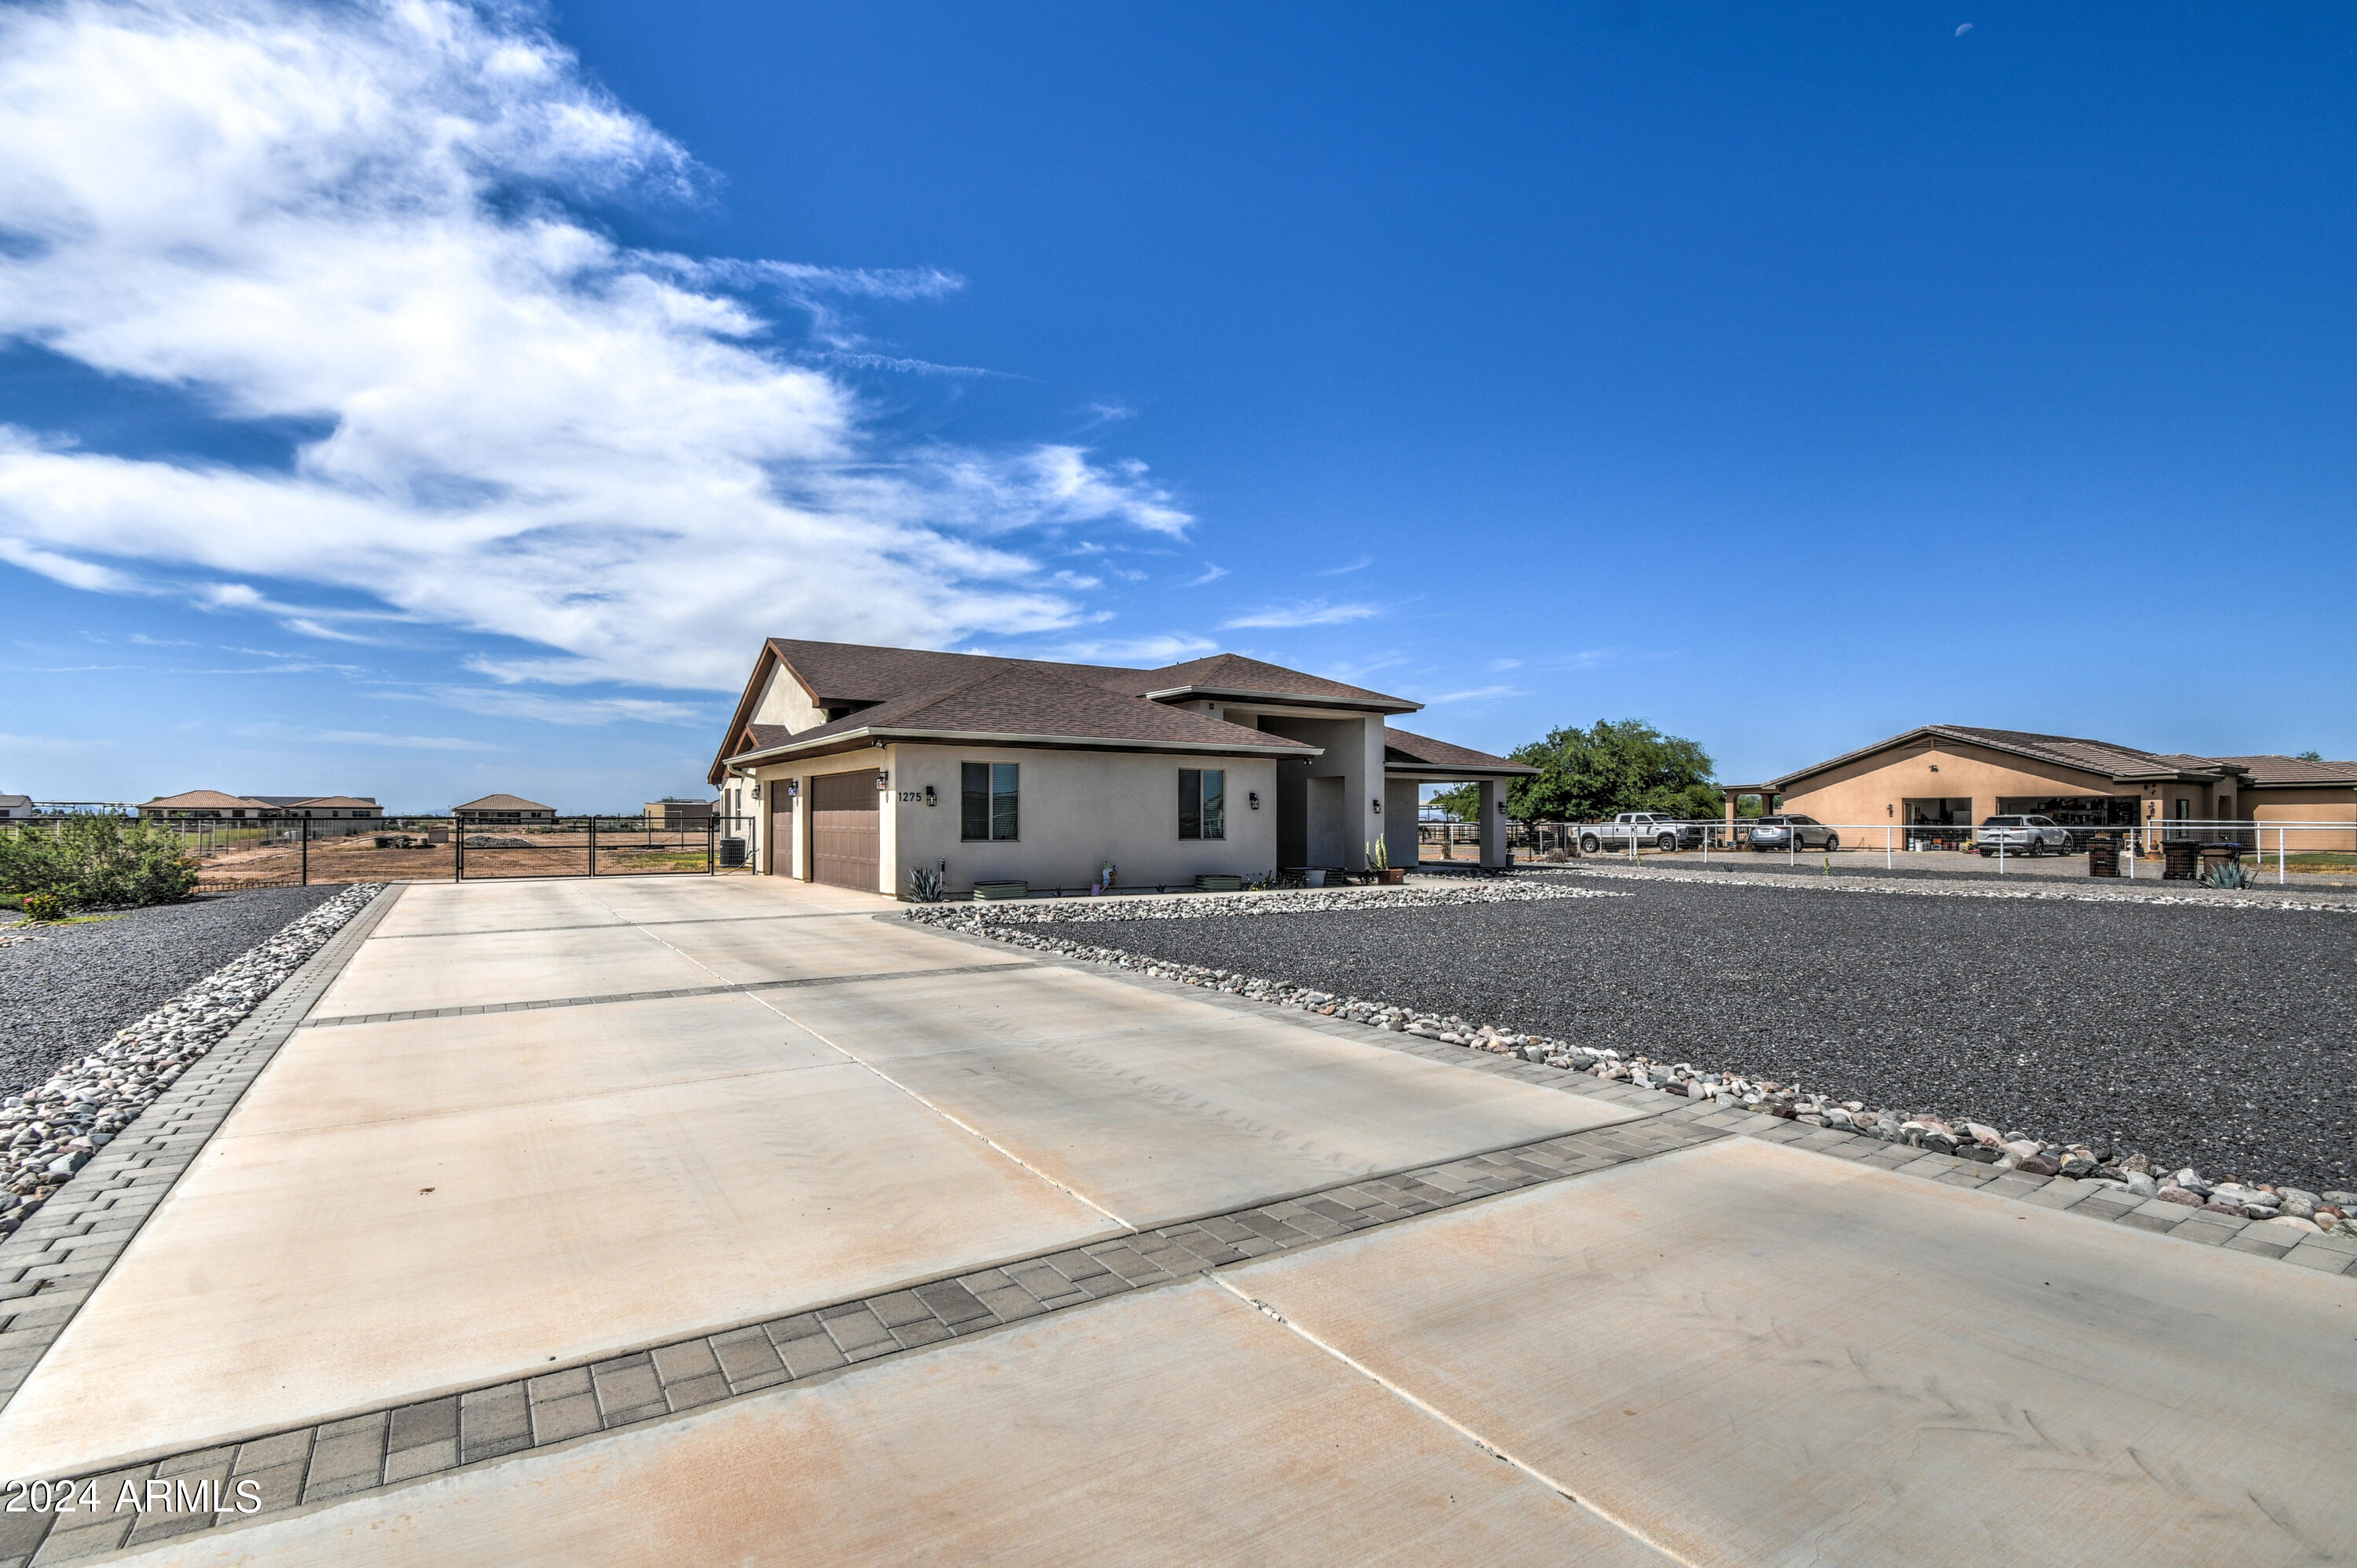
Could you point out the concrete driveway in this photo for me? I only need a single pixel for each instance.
(645, 1219)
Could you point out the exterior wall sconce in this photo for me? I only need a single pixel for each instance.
(931, 799)
(1501, 808)
(1378, 806)
(793, 788)
(883, 779)
(1254, 796)
(756, 788)
(1935, 767)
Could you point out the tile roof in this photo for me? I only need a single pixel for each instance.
(1422, 750)
(503, 803)
(336, 801)
(2294, 771)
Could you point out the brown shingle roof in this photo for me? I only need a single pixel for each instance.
(337, 801)
(202, 800)
(917, 689)
(2117, 763)
(1423, 751)
(1034, 702)
(503, 803)
(2288, 771)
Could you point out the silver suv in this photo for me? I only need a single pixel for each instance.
(1791, 832)
(2021, 835)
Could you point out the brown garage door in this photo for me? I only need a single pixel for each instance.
(842, 829)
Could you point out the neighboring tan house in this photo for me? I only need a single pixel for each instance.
(1955, 775)
(502, 811)
(860, 765)
(328, 814)
(13, 807)
(678, 815)
(209, 803)
(331, 815)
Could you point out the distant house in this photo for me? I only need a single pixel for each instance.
(332, 814)
(675, 813)
(503, 811)
(15, 806)
(1954, 774)
(347, 813)
(209, 803)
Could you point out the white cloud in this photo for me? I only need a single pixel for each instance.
(357, 216)
(1497, 664)
(1361, 565)
(1477, 694)
(550, 708)
(1306, 612)
(1212, 572)
(408, 742)
(1169, 647)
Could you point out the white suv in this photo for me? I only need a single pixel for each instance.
(2022, 836)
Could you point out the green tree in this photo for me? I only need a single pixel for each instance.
(1623, 765)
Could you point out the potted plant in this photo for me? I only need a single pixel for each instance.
(1378, 861)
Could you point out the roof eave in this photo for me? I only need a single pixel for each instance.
(853, 740)
(1380, 704)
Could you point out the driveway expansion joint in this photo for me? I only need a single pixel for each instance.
(331, 1460)
(74, 1238)
(612, 998)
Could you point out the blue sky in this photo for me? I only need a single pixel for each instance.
(429, 401)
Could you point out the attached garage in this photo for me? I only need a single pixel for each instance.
(844, 839)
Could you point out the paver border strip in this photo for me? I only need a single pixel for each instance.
(49, 1266)
(261, 1477)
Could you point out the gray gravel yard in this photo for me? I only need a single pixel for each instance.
(2219, 1036)
(66, 991)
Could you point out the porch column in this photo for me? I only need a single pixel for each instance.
(1493, 825)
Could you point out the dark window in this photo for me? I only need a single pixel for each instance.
(1203, 803)
(988, 804)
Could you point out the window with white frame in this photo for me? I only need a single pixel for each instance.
(1203, 803)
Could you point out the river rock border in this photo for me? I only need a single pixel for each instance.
(2139, 1175)
(51, 1132)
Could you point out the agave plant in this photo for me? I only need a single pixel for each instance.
(925, 885)
(2227, 874)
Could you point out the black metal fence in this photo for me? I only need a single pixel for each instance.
(236, 853)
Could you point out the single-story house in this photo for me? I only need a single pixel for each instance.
(859, 766)
(506, 810)
(692, 816)
(13, 807)
(1955, 775)
(346, 814)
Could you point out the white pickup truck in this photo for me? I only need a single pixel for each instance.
(1648, 830)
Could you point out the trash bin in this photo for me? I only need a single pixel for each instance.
(2178, 859)
(732, 852)
(2104, 856)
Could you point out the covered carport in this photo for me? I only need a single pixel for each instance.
(1412, 761)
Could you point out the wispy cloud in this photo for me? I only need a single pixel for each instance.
(1477, 694)
(375, 218)
(1361, 565)
(1211, 573)
(1309, 612)
(408, 742)
(552, 708)
(1169, 648)
(1497, 664)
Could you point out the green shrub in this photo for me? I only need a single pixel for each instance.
(80, 861)
(43, 907)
